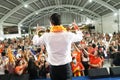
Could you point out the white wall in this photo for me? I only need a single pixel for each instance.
(108, 23)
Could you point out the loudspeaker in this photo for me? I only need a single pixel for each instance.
(114, 71)
(98, 73)
(19, 77)
(5, 77)
(14, 77)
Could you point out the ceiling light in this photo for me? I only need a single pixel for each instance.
(23, 30)
(87, 22)
(36, 13)
(25, 5)
(21, 25)
(81, 9)
(115, 14)
(90, 1)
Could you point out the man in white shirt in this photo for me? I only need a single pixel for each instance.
(58, 45)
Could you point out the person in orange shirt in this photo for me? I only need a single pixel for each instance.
(20, 67)
(95, 60)
(77, 68)
(10, 54)
(76, 53)
(89, 47)
(92, 48)
(1, 47)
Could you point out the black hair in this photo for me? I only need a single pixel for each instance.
(55, 19)
(17, 63)
(38, 50)
(3, 53)
(93, 45)
(98, 53)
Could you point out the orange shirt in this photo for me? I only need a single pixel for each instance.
(77, 55)
(77, 66)
(1, 48)
(91, 50)
(95, 60)
(10, 55)
(18, 68)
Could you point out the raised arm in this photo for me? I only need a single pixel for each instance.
(85, 53)
(79, 35)
(38, 40)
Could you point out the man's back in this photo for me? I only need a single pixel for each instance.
(58, 46)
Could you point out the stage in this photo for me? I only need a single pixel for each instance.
(87, 78)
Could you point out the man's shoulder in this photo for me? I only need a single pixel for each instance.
(51, 33)
(68, 32)
(45, 34)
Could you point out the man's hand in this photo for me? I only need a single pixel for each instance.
(38, 29)
(75, 25)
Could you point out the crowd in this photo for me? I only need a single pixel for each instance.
(19, 56)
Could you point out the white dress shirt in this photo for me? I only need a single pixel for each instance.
(58, 45)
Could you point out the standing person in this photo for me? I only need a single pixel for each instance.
(58, 45)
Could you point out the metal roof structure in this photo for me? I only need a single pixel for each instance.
(28, 12)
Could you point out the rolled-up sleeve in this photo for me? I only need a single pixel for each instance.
(38, 40)
(77, 37)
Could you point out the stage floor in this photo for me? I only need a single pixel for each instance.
(86, 78)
